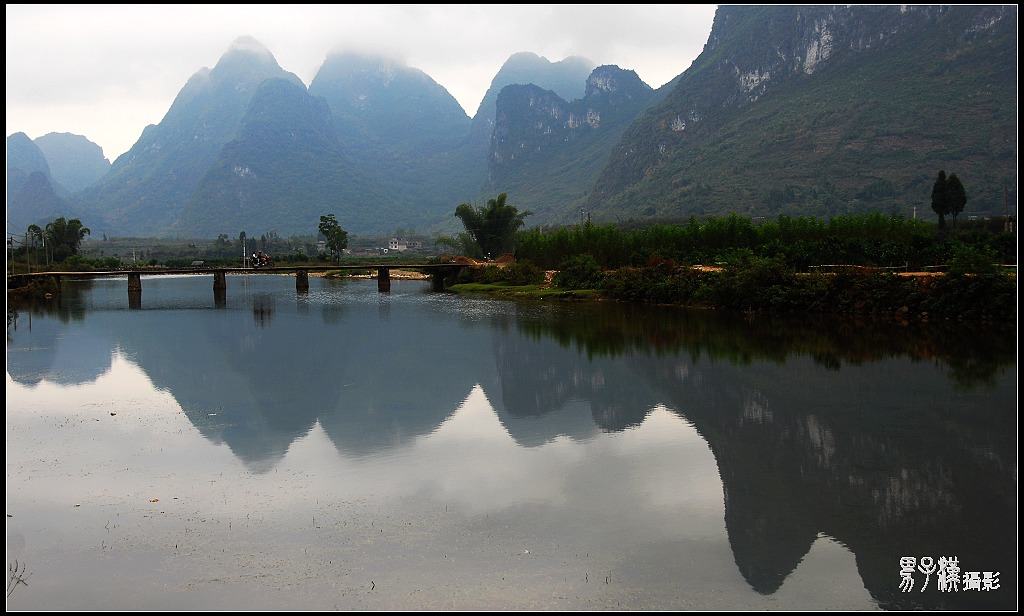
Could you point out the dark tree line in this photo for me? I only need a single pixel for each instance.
(872, 239)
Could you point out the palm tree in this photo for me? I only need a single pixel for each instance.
(493, 226)
(65, 237)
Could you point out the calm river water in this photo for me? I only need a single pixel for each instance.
(345, 449)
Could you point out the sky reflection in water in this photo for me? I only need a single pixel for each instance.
(373, 462)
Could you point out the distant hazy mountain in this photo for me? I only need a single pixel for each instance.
(566, 78)
(380, 103)
(33, 197)
(379, 144)
(24, 156)
(284, 169)
(547, 151)
(75, 162)
(795, 110)
(148, 186)
(406, 133)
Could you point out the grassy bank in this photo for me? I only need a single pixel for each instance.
(765, 286)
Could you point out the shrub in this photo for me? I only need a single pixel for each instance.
(515, 273)
(966, 259)
(520, 273)
(580, 272)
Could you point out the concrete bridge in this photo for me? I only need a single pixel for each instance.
(441, 274)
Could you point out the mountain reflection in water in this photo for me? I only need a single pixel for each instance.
(892, 439)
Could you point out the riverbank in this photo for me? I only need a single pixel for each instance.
(764, 288)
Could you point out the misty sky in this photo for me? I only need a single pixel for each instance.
(106, 71)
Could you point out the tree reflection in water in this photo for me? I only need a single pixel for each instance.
(892, 439)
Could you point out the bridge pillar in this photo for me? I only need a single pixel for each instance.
(219, 282)
(134, 290)
(441, 277)
(301, 281)
(384, 279)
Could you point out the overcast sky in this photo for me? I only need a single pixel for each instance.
(106, 71)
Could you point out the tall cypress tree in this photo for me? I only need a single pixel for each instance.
(956, 196)
(940, 198)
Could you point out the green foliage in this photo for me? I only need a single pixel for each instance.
(948, 197)
(869, 239)
(754, 283)
(461, 244)
(108, 263)
(493, 226)
(77, 263)
(516, 273)
(768, 286)
(36, 289)
(186, 262)
(770, 267)
(35, 236)
(956, 196)
(965, 259)
(989, 295)
(579, 272)
(659, 283)
(521, 273)
(64, 237)
(337, 238)
(940, 198)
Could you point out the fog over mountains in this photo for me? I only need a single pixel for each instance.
(789, 110)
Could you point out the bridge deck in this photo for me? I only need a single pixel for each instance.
(440, 272)
(207, 269)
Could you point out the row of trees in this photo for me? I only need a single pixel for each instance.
(59, 240)
(948, 197)
(494, 229)
(641, 265)
(336, 237)
(871, 239)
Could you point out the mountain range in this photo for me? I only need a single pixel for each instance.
(789, 110)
